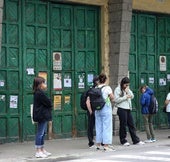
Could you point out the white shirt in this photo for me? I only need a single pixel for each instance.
(121, 100)
(106, 91)
(168, 106)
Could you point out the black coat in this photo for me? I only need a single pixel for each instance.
(42, 107)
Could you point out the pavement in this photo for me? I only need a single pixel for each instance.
(67, 149)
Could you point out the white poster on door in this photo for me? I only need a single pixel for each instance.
(57, 83)
(151, 80)
(57, 61)
(162, 63)
(67, 82)
(81, 83)
(13, 101)
(162, 81)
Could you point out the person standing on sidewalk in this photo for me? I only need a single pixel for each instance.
(145, 100)
(167, 103)
(103, 117)
(91, 117)
(42, 107)
(123, 96)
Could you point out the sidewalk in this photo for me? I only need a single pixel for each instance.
(66, 148)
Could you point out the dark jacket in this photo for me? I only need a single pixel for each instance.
(145, 100)
(42, 107)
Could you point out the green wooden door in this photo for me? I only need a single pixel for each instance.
(62, 43)
(86, 57)
(58, 42)
(36, 55)
(74, 37)
(147, 54)
(11, 74)
(149, 40)
(133, 69)
(143, 59)
(163, 50)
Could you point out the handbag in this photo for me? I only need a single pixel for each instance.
(114, 111)
(31, 112)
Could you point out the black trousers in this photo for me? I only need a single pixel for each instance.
(90, 129)
(126, 120)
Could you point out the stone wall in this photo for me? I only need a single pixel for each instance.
(120, 15)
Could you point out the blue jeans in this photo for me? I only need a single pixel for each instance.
(103, 120)
(39, 139)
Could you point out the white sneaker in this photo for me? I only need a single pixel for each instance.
(126, 144)
(111, 146)
(140, 143)
(47, 153)
(148, 141)
(40, 155)
(153, 140)
(93, 147)
(108, 148)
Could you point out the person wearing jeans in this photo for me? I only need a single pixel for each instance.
(104, 126)
(103, 117)
(42, 107)
(41, 130)
(123, 96)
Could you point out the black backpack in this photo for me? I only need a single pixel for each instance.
(96, 99)
(83, 99)
(153, 107)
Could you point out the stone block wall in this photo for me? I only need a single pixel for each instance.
(120, 15)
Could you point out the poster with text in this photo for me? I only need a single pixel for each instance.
(162, 81)
(162, 63)
(57, 61)
(57, 102)
(81, 81)
(57, 82)
(13, 101)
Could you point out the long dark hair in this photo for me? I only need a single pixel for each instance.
(125, 80)
(102, 78)
(37, 82)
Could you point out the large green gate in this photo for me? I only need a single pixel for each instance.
(58, 42)
(11, 74)
(149, 41)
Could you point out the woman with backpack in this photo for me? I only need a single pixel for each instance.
(103, 117)
(145, 101)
